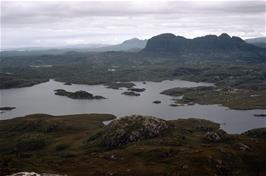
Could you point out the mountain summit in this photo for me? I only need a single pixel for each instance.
(209, 46)
(178, 44)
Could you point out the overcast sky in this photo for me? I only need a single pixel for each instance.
(25, 24)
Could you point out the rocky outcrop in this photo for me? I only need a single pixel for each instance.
(131, 129)
(215, 136)
(77, 95)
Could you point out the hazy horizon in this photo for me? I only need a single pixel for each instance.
(58, 24)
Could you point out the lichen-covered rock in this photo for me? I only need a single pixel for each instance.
(131, 129)
(215, 136)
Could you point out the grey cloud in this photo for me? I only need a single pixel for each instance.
(37, 12)
(58, 23)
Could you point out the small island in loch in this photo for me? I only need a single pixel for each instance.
(7, 108)
(157, 102)
(118, 85)
(131, 93)
(78, 94)
(137, 89)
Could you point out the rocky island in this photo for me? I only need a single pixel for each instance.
(259, 115)
(79, 144)
(7, 108)
(77, 95)
(68, 83)
(137, 89)
(118, 85)
(131, 93)
(157, 102)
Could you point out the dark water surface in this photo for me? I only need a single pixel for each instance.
(41, 99)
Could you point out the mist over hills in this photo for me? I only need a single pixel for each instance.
(130, 45)
(259, 41)
(222, 46)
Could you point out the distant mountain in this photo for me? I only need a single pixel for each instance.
(209, 46)
(260, 41)
(31, 51)
(133, 44)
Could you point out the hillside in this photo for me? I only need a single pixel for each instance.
(80, 145)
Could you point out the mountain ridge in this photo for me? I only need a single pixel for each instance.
(222, 46)
(170, 41)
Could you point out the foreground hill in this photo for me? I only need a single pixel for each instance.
(222, 46)
(134, 145)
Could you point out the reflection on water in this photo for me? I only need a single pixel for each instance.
(41, 99)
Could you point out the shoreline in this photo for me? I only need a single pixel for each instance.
(118, 117)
